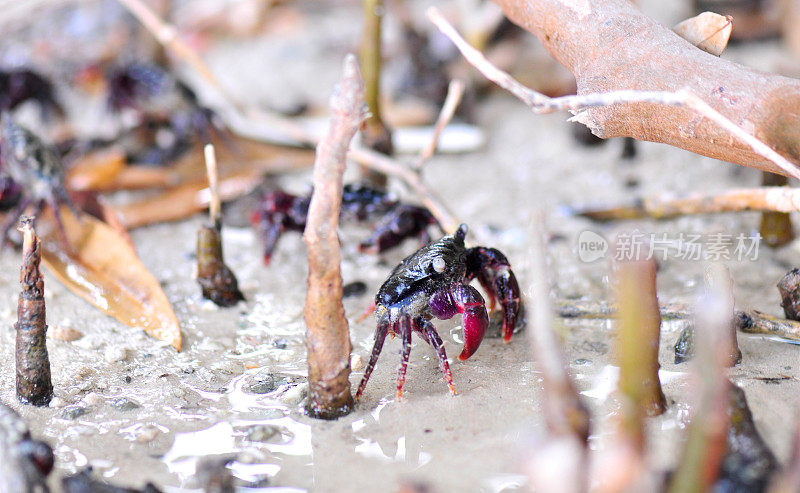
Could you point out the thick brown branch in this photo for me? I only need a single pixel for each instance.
(609, 45)
(328, 335)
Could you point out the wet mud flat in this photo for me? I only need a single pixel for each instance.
(137, 411)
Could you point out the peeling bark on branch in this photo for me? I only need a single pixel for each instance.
(609, 45)
(327, 334)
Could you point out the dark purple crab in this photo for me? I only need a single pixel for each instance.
(24, 462)
(279, 211)
(170, 115)
(33, 173)
(434, 283)
(19, 85)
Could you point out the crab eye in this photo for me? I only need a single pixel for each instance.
(438, 264)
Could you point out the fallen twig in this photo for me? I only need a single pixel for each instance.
(755, 322)
(539, 103)
(455, 91)
(328, 335)
(777, 199)
(595, 309)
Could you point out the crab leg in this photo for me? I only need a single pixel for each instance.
(494, 273)
(433, 338)
(380, 336)
(270, 232)
(53, 202)
(405, 333)
(466, 300)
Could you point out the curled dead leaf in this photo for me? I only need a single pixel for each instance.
(97, 170)
(103, 269)
(242, 164)
(708, 31)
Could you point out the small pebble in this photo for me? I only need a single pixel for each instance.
(89, 342)
(115, 354)
(295, 394)
(356, 362)
(147, 434)
(92, 399)
(124, 404)
(65, 333)
(265, 382)
(356, 288)
(280, 343)
(208, 306)
(262, 433)
(73, 412)
(85, 371)
(57, 402)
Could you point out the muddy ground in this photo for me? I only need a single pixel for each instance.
(137, 411)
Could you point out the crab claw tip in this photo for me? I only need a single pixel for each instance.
(461, 232)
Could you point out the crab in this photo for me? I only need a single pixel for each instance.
(434, 282)
(32, 174)
(147, 90)
(24, 462)
(280, 211)
(19, 85)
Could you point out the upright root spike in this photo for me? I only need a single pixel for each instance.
(34, 385)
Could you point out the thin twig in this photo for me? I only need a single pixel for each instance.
(391, 167)
(539, 103)
(214, 206)
(603, 310)
(665, 206)
(455, 91)
(755, 322)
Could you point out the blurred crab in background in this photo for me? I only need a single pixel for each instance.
(279, 211)
(31, 175)
(19, 85)
(161, 116)
(434, 283)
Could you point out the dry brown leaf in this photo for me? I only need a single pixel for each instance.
(184, 201)
(103, 268)
(96, 170)
(241, 168)
(708, 31)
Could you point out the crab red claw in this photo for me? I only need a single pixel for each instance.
(494, 273)
(464, 299)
